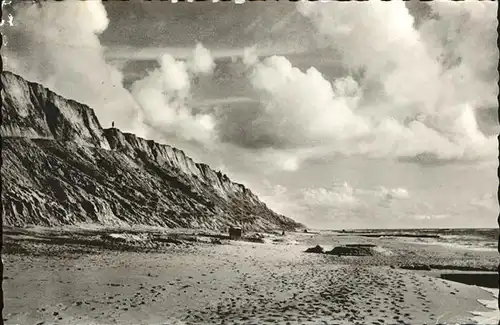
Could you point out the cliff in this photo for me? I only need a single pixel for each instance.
(60, 167)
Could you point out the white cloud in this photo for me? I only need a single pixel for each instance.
(394, 193)
(175, 77)
(286, 160)
(299, 107)
(428, 217)
(463, 39)
(303, 111)
(163, 95)
(339, 204)
(250, 56)
(201, 61)
(335, 197)
(381, 40)
(279, 198)
(290, 164)
(418, 110)
(342, 194)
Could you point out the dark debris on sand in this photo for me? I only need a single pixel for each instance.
(345, 250)
(316, 249)
(74, 243)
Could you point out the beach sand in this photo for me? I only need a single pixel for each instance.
(234, 283)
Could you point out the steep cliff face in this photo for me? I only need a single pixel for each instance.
(60, 168)
(31, 111)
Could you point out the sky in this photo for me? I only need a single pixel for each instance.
(339, 115)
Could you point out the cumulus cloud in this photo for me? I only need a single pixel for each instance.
(295, 109)
(445, 137)
(201, 62)
(425, 74)
(334, 197)
(465, 46)
(393, 194)
(175, 77)
(281, 199)
(57, 44)
(290, 164)
(411, 93)
(316, 207)
(164, 92)
(427, 90)
(343, 194)
(427, 217)
(381, 40)
(250, 56)
(306, 115)
(341, 203)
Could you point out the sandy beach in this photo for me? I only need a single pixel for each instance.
(235, 282)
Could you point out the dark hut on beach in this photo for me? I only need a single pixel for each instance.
(235, 233)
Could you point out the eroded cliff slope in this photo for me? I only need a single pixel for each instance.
(60, 167)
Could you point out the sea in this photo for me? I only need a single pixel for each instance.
(472, 238)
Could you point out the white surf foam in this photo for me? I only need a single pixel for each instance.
(488, 317)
